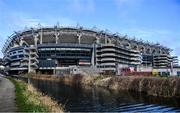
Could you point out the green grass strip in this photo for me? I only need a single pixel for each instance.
(22, 102)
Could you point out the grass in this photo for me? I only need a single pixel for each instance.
(152, 85)
(28, 99)
(100, 77)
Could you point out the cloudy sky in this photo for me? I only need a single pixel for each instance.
(151, 20)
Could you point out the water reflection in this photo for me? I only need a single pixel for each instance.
(86, 98)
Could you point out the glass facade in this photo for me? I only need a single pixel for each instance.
(62, 57)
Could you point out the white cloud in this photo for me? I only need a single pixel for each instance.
(128, 2)
(153, 35)
(20, 20)
(124, 2)
(127, 8)
(12, 20)
(64, 21)
(82, 6)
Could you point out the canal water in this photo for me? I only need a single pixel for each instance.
(85, 98)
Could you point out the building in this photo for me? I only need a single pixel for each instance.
(53, 49)
(1, 62)
(2, 67)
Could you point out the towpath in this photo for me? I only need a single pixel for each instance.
(7, 95)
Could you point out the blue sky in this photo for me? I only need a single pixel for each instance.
(152, 20)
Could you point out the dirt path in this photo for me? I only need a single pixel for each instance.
(7, 96)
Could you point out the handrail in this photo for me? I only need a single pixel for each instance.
(65, 44)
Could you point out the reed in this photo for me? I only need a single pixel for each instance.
(29, 99)
(155, 86)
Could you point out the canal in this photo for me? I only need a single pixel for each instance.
(78, 98)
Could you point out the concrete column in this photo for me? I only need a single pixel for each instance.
(35, 39)
(29, 63)
(35, 36)
(109, 40)
(93, 55)
(79, 38)
(15, 44)
(57, 37)
(106, 40)
(56, 33)
(92, 59)
(41, 36)
(54, 71)
(21, 42)
(97, 40)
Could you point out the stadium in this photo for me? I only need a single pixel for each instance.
(59, 50)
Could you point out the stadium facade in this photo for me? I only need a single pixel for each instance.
(53, 49)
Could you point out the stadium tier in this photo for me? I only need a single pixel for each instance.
(53, 49)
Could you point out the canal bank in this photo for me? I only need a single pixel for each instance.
(154, 86)
(85, 98)
(28, 99)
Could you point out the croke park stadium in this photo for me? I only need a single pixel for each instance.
(73, 50)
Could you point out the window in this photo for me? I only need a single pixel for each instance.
(14, 57)
(20, 51)
(178, 73)
(20, 56)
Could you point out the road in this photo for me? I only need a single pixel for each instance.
(7, 95)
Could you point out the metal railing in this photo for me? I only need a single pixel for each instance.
(65, 45)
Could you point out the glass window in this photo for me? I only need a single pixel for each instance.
(20, 51)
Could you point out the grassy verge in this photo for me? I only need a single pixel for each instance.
(28, 99)
(155, 86)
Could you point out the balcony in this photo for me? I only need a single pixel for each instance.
(107, 49)
(34, 54)
(34, 65)
(34, 59)
(24, 64)
(108, 59)
(26, 58)
(64, 45)
(15, 64)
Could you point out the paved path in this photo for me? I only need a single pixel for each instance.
(7, 95)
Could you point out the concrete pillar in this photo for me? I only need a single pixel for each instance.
(29, 63)
(35, 36)
(56, 33)
(15, 44)
(41, 36)
(54, 71)
(106, 40)
(109, 40)
(57, 37)
(160, 51)
(35, 39)
(79, 38)
(97, 40)
(21, 42)
(92, 59)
